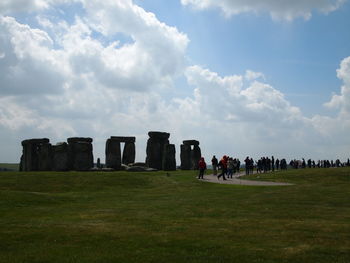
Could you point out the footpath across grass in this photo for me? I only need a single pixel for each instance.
(152, 217)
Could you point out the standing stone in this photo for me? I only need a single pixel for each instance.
(83, 158)
(30, 160)
(185, 156)
(45, 157)
(113, 154)
(195, 157)
(169, 158)
(190, 157)
(80, 153)
(155, 149)
(98, 164)
(129, 153)
(60, 157)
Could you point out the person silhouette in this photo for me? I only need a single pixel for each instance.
(223, 166)
(202, 167)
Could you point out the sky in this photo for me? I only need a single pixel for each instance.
(245, 78)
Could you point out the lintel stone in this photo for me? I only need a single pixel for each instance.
(191, 142)
(126, 139)
(36, 141)
(79, 139)
(160, 135)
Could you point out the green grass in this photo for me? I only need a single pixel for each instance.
(10, 166)
(151, 217)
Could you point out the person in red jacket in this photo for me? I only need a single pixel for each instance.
(223, 165)
(202, 166)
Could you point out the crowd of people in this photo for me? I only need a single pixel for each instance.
(320, 163)
(228, 166)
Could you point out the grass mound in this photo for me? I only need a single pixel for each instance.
(152, 217)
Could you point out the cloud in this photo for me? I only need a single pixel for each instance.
(81, 78)
(157, 53)
(28, 63)
(251, 75)
(8, 6)
(16, 6)
(342, 101)
(77, 79)
(62, 56)
(278, 9)
(238, 101)
(16, 117)
(252, 116)
(62, 53)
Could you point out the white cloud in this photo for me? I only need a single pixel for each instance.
(62, 80)
(155, 56)
(257, 118)
(257, 101)
(31, 58)
(342, 101)
(16, 117)
(15, 6)
(278, 9)
(29, 64)
(252, 75)
(8, 6)
(79, 79)
(158, 50)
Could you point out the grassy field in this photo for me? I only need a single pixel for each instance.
(151, 217)
(10, 166)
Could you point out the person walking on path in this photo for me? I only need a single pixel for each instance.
(247, 165)
(223, 165)
(214, 163)
(230, 167)
(202, 167)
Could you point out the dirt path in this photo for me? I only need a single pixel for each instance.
(236, 180)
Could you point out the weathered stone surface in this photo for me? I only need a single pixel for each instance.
(98, 164)
(191, 142)
(159, 135)
(40, 155)
(129, 153)
(35, 141)
(195, 157)
(185, 156)
(31, 149)
(155, 149)
(154, 154)
(83, 158)
(169, 159)
(113, 154)
(125, 139)
(190, 154)
(45, 157)
(60, 157)
(79, 139)
(80, 153)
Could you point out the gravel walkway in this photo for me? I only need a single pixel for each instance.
(236, 180)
